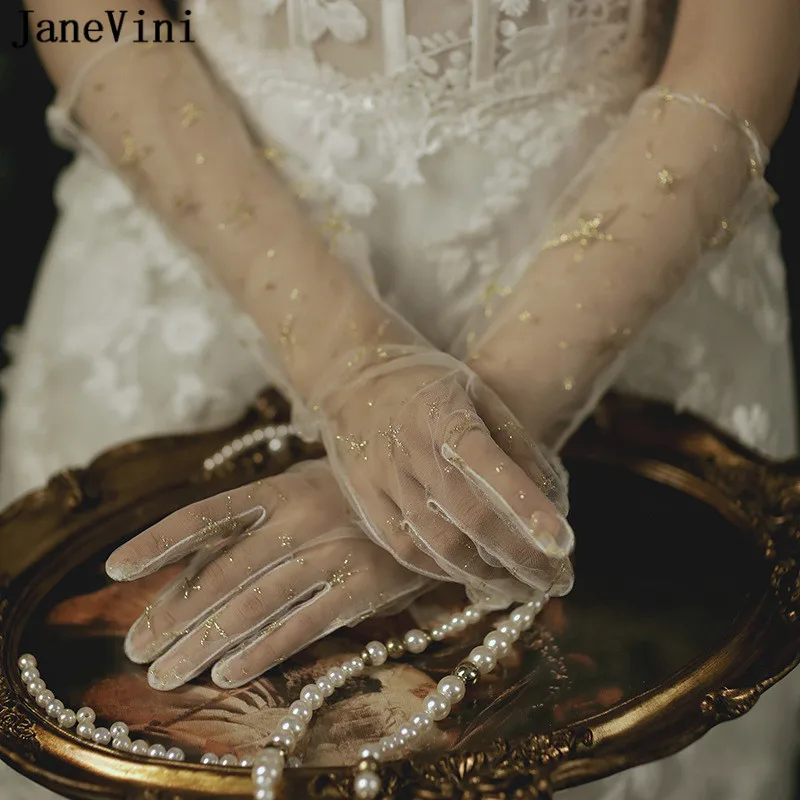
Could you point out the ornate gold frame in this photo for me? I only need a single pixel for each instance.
(760, 498)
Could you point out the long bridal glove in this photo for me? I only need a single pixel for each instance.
(663, 198)
(276, 565)
(442, 474)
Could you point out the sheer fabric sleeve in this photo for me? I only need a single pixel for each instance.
(663, 197)
(435, 465)
(278, 250)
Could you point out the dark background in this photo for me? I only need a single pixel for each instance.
(29, 163)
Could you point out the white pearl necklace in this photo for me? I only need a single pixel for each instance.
(268, 766)
(274, 435)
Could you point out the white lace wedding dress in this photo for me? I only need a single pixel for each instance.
(431, 122)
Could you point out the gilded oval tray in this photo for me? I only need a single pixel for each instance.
(684, 613)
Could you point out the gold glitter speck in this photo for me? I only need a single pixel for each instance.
(190, 114)
(354, 444)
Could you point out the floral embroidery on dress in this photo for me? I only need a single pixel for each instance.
(342, 18)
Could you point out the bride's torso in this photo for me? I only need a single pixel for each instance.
(443, 130)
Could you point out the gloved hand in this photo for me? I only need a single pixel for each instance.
(277, 565)
(442, 475)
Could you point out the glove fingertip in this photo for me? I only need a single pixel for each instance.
(221, 675)
(120, 569)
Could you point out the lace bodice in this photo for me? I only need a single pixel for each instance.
(405, 111)
(461, 42)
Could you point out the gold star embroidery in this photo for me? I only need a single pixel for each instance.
(392, 436)
(587, 231)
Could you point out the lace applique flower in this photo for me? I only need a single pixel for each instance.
(186, 331)
(514, 8)
(341, 18)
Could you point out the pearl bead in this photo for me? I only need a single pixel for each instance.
(483, 658)
(370, 751)
(122, 743)
(292, 725)
(102, 736)
(510, 629)
(54, 708)
(27, 662)
(86, 714)
(325, 686)
(458, 622)
(437, 705)
(36, 687)
(157, 751)
(175, 754)
(301, 710)
(498, 643)
(472, 615)
(264, 774)
(43, 699)
(293, 762)
(522, 618)
(30, 674)
(265, 792)
(423, 721)
(284, 740)
(245, 762)
(387, 747)
(336, 677)
(416, 641)
(377, 653)
(229, 760)
(140, 747)
(119, 729)
(437, 634)
(356, 665)
(366, 786)
(67, 718)
(312, 696)
(367, 765)
(408, 731)
(452, 688)
(85, 730)
(269, 756)
(209, 758)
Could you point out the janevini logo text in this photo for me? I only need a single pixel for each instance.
(113, 26)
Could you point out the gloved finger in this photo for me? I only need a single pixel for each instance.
(261, 603)
(190, 528)
(197, 593)
(530, 516)
(351, 595)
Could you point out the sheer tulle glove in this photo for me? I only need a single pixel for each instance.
(665, 196)
(442, 474)
(274, 566)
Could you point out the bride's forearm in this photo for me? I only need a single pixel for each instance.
(677, 182)
(165, 125)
